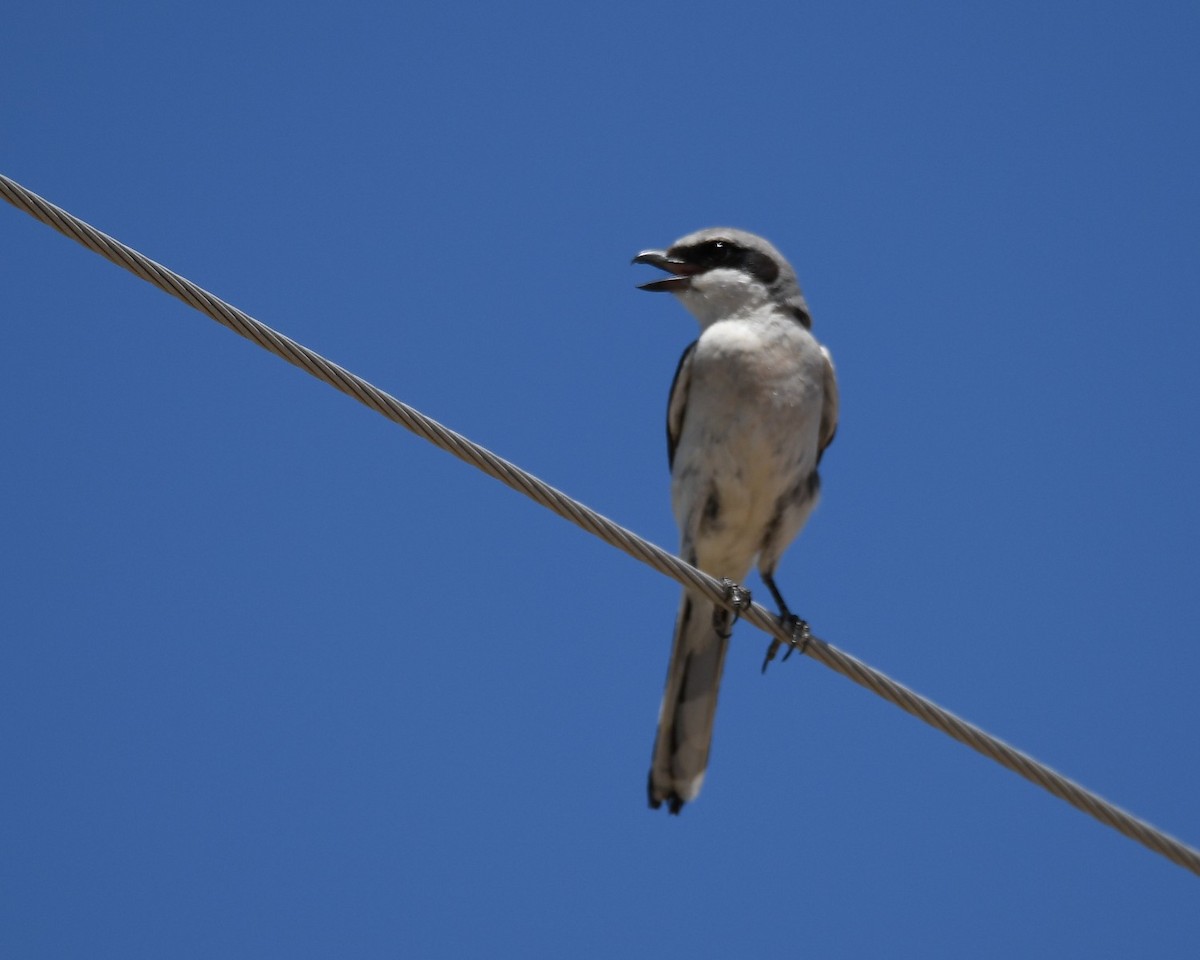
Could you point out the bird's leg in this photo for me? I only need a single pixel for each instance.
(799, 628)
(739, 598)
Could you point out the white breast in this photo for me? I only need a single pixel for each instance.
(750, 433)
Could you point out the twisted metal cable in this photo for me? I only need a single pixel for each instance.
(608, 531)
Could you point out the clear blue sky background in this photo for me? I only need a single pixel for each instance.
(278, 679)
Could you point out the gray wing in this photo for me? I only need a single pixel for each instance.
(677, 402)
(829, 405)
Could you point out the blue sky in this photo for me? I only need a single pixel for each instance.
(279, 679)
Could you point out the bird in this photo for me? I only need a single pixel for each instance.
(752, 408)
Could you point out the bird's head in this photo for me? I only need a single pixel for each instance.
(721, 273)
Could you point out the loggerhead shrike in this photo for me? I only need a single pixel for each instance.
(753, 406)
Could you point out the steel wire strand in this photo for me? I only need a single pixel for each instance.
(612, 533)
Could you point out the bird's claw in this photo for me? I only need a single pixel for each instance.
(801, 635)
(738, 598)
(737, 595)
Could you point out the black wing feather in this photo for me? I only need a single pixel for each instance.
(677, 404)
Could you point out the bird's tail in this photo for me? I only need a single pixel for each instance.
(689, 706)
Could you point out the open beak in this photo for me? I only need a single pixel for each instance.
(682, 272)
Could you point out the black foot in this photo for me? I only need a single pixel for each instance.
(800, 637)
(793, 624)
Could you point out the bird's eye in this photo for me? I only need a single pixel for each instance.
(721, 252)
